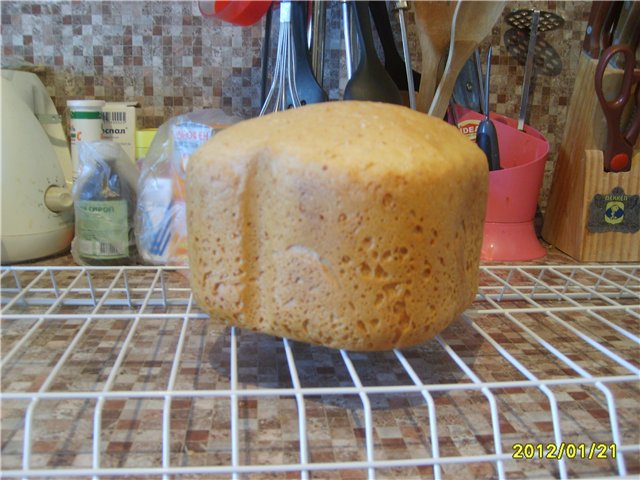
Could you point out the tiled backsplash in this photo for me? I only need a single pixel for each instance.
(169, 58)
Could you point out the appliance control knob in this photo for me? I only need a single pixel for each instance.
(58, 199)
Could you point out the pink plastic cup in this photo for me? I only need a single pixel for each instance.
(509, 234)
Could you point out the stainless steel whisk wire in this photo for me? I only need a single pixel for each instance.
(284, 76)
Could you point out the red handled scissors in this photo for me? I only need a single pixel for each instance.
(620, 139)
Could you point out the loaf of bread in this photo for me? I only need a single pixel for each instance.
(353, 225)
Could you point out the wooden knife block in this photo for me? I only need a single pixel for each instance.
(579, 176)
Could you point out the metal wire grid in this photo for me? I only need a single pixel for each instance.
(602, 298)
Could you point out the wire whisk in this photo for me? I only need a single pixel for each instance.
(283, 93)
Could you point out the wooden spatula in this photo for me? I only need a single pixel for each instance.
(472, 22)
(433, 20)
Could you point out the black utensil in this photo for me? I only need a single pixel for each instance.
(307, 86)
(393, 62)
(467, 91)
(370, 81)
(486, 135)
(266, 47)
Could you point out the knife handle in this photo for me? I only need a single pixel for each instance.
(487, 140)
(595, 27)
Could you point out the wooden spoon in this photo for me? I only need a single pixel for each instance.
(472, 22)
(433, 20)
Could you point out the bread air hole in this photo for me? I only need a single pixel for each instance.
(364, 269)
(379, 299)
(427, 266)
(379, 272)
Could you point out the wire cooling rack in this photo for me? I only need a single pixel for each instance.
(115, 372)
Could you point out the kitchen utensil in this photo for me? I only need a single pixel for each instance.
(266, 48)
(528, 68)
(547, 21)
(401, 6)
(486, 135)
(478, 70)
(452, 116)
(596, 27)
(283, 93)
(346, 28)
(620, 139)
(472, 22)
(627, 31)
(370, 81)
(307, 87)
(35, 164)
(535, 21)
(546, 60)
(393, 63)
(318, 21)
(433, 20)
(467, 91)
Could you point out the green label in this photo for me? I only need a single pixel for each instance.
(86, 115)
(102, 229)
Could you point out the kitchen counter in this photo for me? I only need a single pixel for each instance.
(116, 372)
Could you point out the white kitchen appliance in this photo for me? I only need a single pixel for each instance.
(37, 206)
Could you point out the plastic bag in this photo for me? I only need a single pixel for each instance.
(104, 203)
(160, 220)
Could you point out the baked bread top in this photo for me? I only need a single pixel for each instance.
(353, 225)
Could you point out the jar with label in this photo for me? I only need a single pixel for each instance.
(104, 207)
(85, 118)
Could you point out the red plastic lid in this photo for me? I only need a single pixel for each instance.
(237, 12)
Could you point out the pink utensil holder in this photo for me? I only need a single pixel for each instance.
(509, 233)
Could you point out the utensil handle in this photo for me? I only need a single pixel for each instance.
(365, 34)
(447, 82)
(318, 39)
(347, 37)
(524, 101)
(402, 5)
(266, 48)
(478, 64)
(597, 18)
(486, 85)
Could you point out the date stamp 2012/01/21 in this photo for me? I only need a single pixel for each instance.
(552, 451)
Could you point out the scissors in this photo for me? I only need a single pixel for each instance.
(620, 140)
